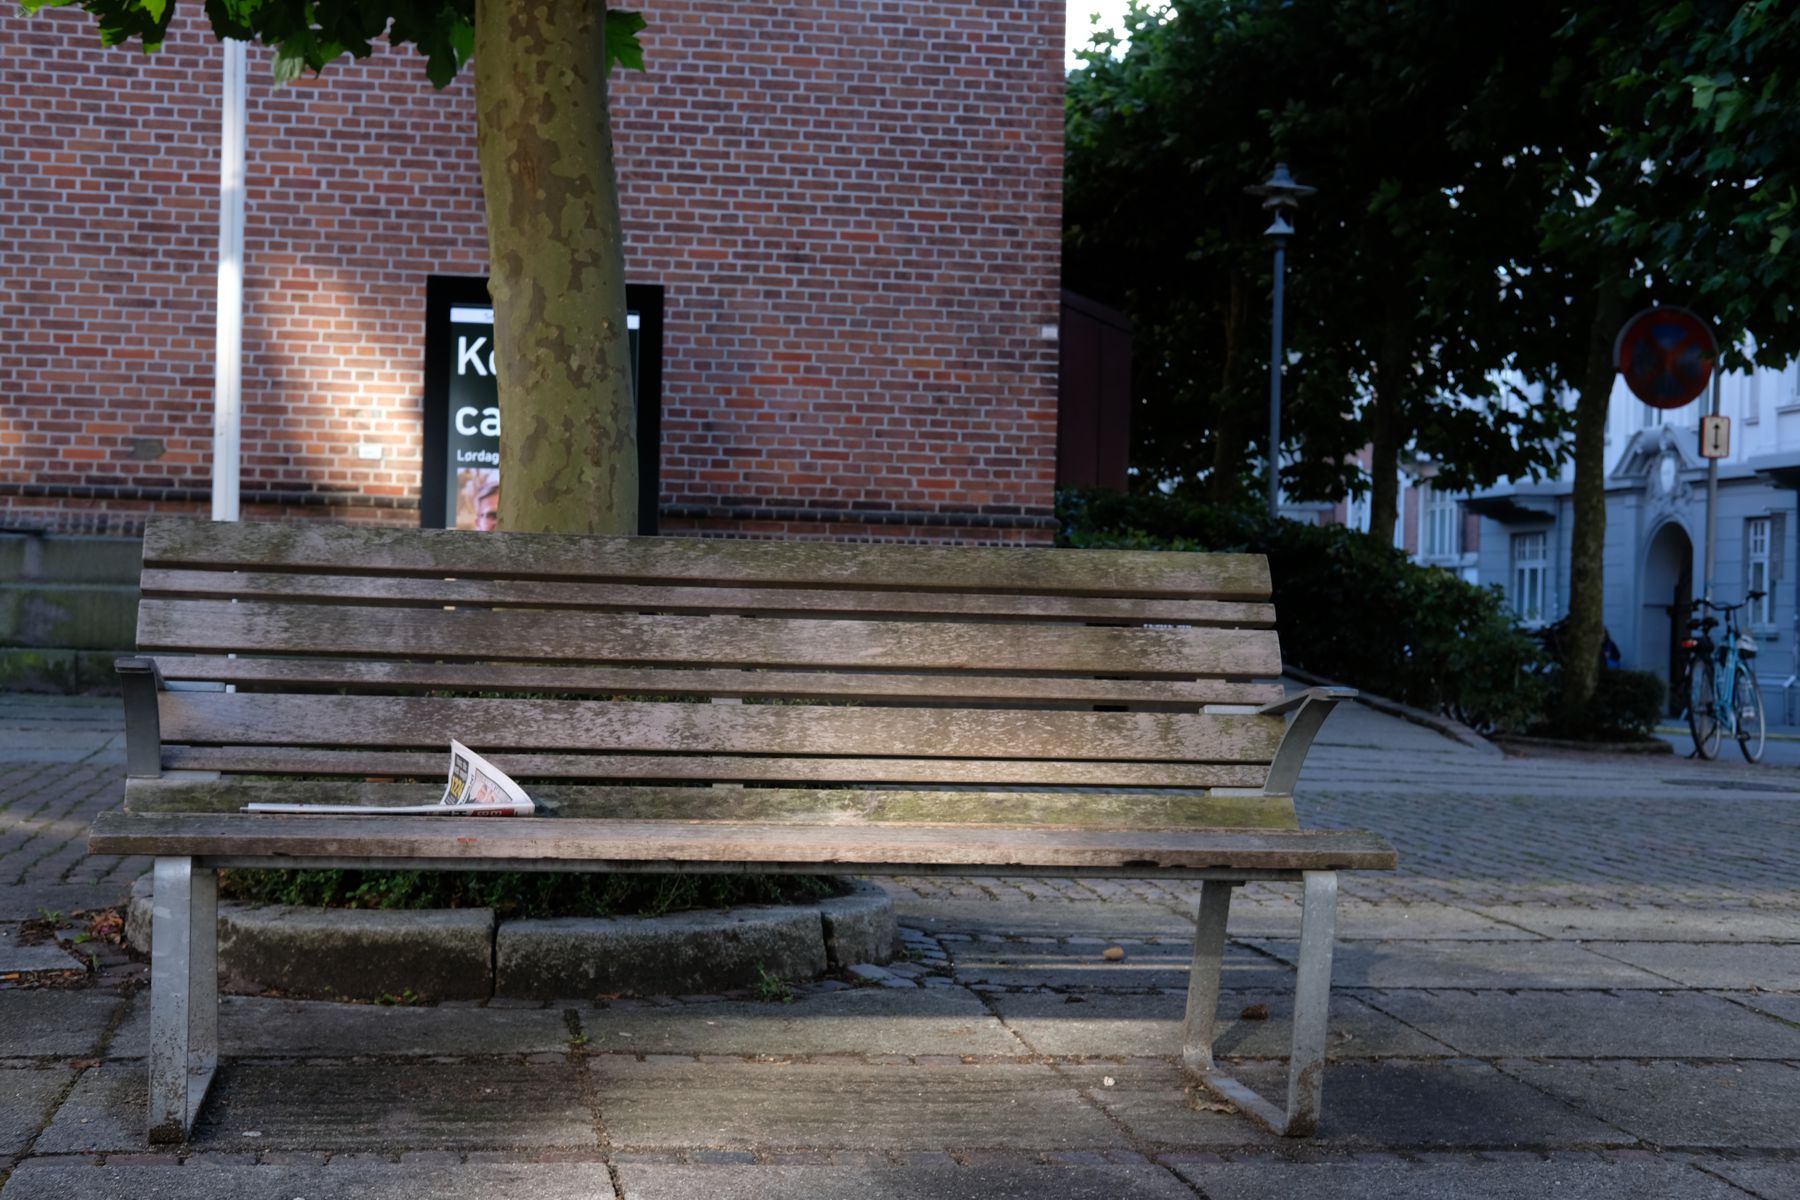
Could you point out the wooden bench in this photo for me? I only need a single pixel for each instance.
(873, 710)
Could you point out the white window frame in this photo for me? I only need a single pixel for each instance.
(1758, 561)
(1531, 576)
(1440, 520)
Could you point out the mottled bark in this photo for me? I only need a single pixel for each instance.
(1587, 596)
(568, 436)
(1387, 430)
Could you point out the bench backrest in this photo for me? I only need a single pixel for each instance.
(359, 652)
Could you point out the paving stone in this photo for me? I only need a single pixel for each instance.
(340, 1106)
(36, 959)
(25, 1099)
(1053, 918)
(1714, 966)
(1785, 1005)
(1747, 1105)
(1021, 964)
(855, 1021)
(1629, 1024)
(1441, 964)
(106, 1111)
(1025, 1181)
(1770, 1181)
(342, 1180)
(1465, 1181)
(254, 1026)
(54, 1021)
(1161, 1105)
(1413, 1104)
(842, 1106)
(1123, 1025)
(1377, 922)
(23, 901)
(1683, 924)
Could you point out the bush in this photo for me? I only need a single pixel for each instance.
(1375, 619)
(1625, 705)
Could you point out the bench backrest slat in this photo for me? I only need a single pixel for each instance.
(321, 548)
(164, 584)
(560, 636)
(992, 772)
(508, 724)
(337, 674)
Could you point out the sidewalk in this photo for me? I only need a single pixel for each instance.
(1585, 980)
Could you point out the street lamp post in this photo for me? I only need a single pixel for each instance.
(1280, 196)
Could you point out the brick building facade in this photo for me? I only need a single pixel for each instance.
(853, 209)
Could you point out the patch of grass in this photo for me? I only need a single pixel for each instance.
(523, 893)
(770, 988)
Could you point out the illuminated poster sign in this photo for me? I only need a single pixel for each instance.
(461, 484)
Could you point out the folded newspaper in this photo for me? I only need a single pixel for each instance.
(477, 788)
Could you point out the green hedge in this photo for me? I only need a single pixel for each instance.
(1350, 608)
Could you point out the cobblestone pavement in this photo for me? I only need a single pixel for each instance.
(1584, 979)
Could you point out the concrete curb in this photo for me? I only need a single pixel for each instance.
(1646, 746)
(466, 954)
(1456, 731)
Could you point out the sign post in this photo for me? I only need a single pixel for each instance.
(1668, 356)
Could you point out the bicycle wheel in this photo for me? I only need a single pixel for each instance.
(1746, 701)
(1703, 711)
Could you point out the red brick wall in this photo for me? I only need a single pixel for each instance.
(856, 230)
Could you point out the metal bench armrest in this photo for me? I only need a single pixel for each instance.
(1310, 708)
(141, 682)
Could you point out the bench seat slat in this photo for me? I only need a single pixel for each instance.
(966, 687)
(848, 847)
(516, 724)
(861, 806)
(321, 548)
(294, 760)
(165, 584)
(569, 637)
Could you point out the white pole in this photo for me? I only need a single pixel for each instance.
(1712, 497)
(228, 365)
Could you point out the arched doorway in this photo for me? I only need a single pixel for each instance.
(1668, 590)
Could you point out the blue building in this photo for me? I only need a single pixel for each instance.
(1517, 536)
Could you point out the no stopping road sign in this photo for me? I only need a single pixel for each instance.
(1666, 356)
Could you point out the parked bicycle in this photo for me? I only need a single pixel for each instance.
(1723, 698)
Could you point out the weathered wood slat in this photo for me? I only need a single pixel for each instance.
(337, 549)
(404, 590)
(208, 625)
(968, 687)
(288, 760)
(876, 807)
(645, 726)
(847, 847)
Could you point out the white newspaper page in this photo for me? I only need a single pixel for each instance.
(476, 788)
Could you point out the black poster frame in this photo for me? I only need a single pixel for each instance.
(444, 292)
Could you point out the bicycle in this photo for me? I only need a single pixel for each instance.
(1723, 668)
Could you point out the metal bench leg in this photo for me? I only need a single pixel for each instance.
(184, 995)
(1203, 976)
(1312, 1002)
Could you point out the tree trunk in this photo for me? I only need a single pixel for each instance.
(1587, 594)
(568, 433)
(1230, 438)
(1387, 431)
